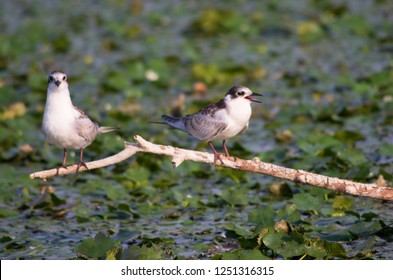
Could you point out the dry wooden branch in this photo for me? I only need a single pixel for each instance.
(178, 155)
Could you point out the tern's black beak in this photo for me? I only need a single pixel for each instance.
(57, 83)
(250, 97)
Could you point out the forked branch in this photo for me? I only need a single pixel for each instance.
(376, 190)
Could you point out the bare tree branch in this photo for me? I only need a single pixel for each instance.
(377, 190)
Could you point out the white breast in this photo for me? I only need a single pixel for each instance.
(59, 121)
(237, 116)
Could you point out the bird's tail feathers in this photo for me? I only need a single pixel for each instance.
(105, 129)
(174, 122)
(156, 122)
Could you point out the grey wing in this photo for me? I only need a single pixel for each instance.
(204, 127)
(85, 127)
(80, 112)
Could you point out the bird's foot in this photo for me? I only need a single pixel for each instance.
(217, 156)
(58, 169)
(80, 164)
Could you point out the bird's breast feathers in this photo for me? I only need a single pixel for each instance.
(236, 115)
(60, 124)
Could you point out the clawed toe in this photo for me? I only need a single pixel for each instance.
(217, 156)
(81, 163)
(58, 169)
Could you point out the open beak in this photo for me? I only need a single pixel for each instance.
(250, 97)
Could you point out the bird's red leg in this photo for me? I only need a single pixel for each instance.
(225, 148)
(64, 158)
(226, 151)
(81, 162)
(64, 165)
(216, 155)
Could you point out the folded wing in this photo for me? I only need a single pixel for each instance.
(204, 127)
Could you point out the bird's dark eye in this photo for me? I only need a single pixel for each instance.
(51, 79)
(241, 93)
(64, 77)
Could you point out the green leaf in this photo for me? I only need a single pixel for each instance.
(156, 240)
(369, 216)
(97, 247)
(309, 32)
(143, 252)
(349, 136)
(354, 156)
(244, 255)
(235, 196)
(178, 195)
(238, 230)
(138, 174)
(307, 202)
(262, 218)
(323, 249)
(124, 207)
(342, 202)
(115, 191)
(315, 143)
(127, 234)
(286, 245)
(213, 21)
(334, 249)
(112, 254)
(290, 213)
(7, 213)
(6, 238)
(117, 81)
(357, 23)
(208, 73)
(386, 232)
(316, 249)
(56, 200)
(386, 150)
(365, 228)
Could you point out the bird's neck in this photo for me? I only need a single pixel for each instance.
(59, 101)
(239, 110)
